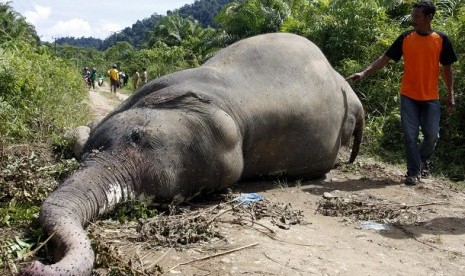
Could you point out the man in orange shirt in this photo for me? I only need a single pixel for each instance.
(423, 49)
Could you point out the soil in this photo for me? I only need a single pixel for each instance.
(359, 220)
(103, 101)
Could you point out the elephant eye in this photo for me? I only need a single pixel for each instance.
(135, 136)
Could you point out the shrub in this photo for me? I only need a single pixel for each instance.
(40, 96)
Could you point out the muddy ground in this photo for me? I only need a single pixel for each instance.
(360, 220)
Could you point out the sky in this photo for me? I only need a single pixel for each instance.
(53, 19)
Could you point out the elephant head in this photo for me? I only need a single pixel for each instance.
(142, 150)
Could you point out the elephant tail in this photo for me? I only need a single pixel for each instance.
(358, 134)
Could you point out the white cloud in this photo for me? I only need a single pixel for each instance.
(106, 28)
(40, 13)
(111, 27)
(74, 27)
(97, 19)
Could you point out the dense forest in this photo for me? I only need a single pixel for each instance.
(83, 42)
(204, 11)
(42, 93)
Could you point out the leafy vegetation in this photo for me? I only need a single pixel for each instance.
(203, 11)
(84, 42)
(135, 35)
(34, 84)
(253, 17)
(133, 211)
(14, 28)
(41, 95)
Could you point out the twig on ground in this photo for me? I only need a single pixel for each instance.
(215, 255)
(159, 259)
(219, 215)
(236, 221)
(427, 204)
(33, 252)
(285, 265)
(223, 212)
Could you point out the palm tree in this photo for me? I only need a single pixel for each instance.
(173, 29)
(253, 17)
(449, 8)
(14, 28)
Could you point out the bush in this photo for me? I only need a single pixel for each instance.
(40, 96)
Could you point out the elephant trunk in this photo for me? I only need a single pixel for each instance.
(358, 134)
(94, 189)
(68, 237)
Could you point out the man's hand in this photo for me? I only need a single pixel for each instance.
(375, 66)
(356, 77)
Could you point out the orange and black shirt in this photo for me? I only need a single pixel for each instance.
(422, 55)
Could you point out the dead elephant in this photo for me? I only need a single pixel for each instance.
(264, 105)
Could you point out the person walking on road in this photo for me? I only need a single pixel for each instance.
(135, 79)
(114, 78)
(143, 77)
(93, 77)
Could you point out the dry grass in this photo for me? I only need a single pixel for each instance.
(139, 248)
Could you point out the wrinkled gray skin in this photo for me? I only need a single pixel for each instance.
(266, 105)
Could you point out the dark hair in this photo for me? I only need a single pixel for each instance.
(427, 6)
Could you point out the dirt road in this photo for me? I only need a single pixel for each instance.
(103, 101)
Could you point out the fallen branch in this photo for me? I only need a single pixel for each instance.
(363, 210)
(33, 252)
(427, 204)
(215, 255)
(158, 260)
(236, 221)
(220, 214)
(285, 265)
